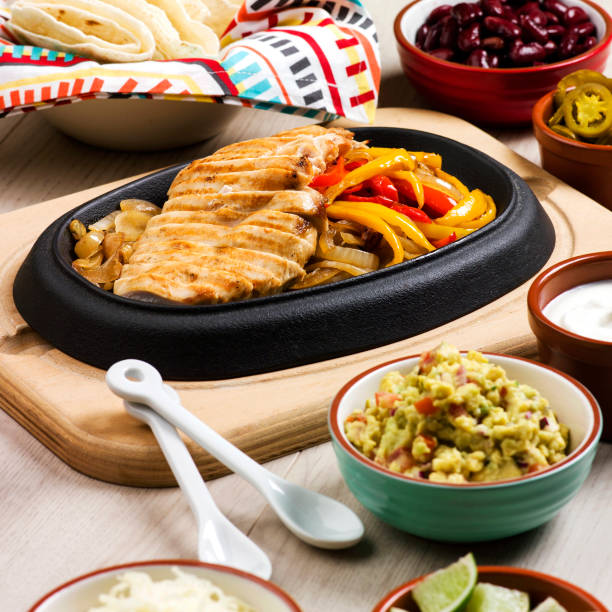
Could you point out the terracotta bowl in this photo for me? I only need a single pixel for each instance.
(582, 165)
(500, 96)
(82, 593)
(588, 360)
(539, 586)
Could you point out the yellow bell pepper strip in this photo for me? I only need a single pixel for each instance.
(588, 110)
(417, 187)
(433, 231)
(469, 208)
(433, 160)
(380, 165)
(394, 218)
(348, 211)
(485, 218)
(454, 181)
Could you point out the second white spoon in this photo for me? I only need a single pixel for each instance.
(219, 540)
(312, 517)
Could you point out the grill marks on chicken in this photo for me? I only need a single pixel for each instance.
(240, 223)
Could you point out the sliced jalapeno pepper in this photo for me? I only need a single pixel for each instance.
(588, 110)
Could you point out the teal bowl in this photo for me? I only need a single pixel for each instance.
(471, 512)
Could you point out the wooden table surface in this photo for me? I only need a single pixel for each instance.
(57, 523)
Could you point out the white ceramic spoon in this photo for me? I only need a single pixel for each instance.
(314, 518)
(219, 541)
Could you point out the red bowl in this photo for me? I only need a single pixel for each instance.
(500, 96)
(539, 586)
(582, 165)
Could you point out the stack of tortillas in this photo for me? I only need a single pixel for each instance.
(123, 30)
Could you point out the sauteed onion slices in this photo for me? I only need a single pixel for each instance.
(384, 206)
(388, 205)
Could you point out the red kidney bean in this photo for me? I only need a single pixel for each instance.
(482, 59)
(448, 32)
(551, 17)
(493, 8)
(438, 13)
(527, 7)
(532, 30)
(466, 13)
(586, 28)
(569, 45)
(555, 31)
(526, 53)
(538, 17)
(469, 38)
(555, 6)
(510, 15)
(421, 35)
(502, 27)
(551, 48)
(432, 38)
(589, 43)
(493, 43)
(575, 14)
(443, 54)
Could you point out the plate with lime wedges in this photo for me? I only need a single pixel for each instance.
(465, 587)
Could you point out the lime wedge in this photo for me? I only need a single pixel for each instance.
(550, 604)
(491, 598)
(447, 589)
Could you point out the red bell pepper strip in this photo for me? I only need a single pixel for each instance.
(352, 189)
(383, 186)
(333, 177)
(444, 241)
(377, 199)
(437, 202)
(416, 214)
(355, 164)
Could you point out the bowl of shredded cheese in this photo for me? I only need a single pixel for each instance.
(167, 586)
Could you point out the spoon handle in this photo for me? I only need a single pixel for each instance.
(140, 382)
(180, 461)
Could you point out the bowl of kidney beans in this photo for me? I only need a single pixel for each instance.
(491, 60)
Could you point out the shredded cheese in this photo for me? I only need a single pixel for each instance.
(137, 592)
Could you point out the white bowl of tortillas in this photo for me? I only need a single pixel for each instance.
(172, 586)
(128, 31)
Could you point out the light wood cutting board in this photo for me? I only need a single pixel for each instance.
(67, 406)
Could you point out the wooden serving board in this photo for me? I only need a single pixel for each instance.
(67, 406)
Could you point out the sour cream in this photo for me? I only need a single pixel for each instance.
(585, 310)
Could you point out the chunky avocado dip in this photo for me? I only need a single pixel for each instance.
(457, 418)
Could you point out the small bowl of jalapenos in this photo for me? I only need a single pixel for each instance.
(573, 126)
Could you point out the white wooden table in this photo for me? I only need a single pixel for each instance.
(57, 523)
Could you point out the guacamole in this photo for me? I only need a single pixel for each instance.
(457, 418)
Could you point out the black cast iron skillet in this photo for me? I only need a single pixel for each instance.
(294, 328)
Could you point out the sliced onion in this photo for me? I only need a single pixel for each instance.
(351, 239)
(439, 184)
(131, 223)
(318, 276)
(411, 250)
(140, 205)
(345, 267)
(105, 223)
(344, 225)
(89, 244)
(354, 257)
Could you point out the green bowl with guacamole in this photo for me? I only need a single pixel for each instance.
(384, 422)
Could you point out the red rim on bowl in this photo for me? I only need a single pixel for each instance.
(180, 563)
(605, 41)
(485, 571)
(573, 456)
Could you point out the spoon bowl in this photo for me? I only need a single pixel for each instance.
(314, 518)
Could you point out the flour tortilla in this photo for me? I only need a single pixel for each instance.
(221, 13)
(196, 9)
(89, 28)
(190, 30)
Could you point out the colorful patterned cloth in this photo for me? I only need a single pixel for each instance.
(308, 57)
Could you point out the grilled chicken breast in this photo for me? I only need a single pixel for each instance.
(237, 224)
